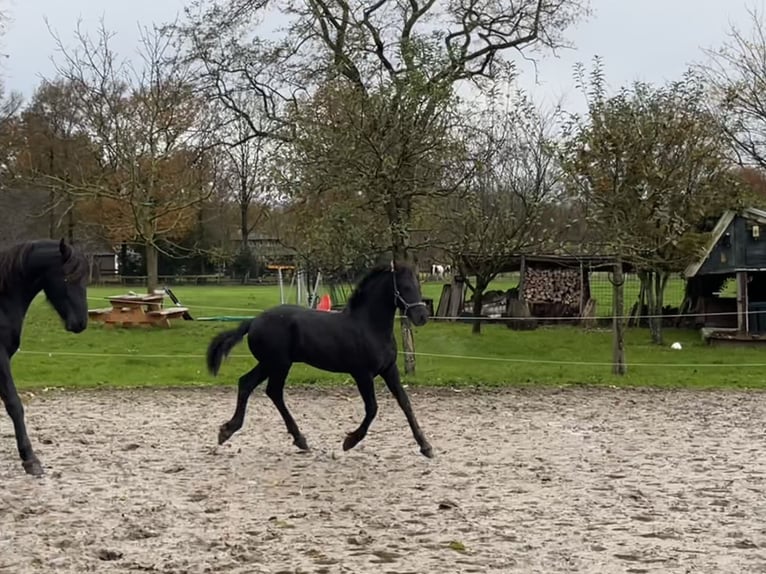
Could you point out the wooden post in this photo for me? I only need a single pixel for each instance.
(582, 289)
(408, 343)
(619, 367)
(743, 325)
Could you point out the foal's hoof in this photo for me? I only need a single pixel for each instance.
(350, 441)
(427, 451)
(33, 467)
(301, 443)
(224, 434)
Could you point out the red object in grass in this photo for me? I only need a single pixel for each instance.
(325, 304)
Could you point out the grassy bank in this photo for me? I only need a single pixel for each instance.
(449, 354)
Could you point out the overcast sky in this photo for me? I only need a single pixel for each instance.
(651, 40)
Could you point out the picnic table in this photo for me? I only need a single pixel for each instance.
(143, 310)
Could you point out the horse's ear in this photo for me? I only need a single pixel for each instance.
(65, 250)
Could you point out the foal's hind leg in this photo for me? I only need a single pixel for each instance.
(366, 388)
(247, 384)
(391, 377)
(275, 389)
(15, 410)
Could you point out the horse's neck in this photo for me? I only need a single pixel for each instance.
(18, 297)
(26, 287)
(378, 311)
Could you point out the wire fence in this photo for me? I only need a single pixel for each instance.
(517, 360)
(254, 311)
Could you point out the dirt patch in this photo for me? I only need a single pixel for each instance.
(523, 481)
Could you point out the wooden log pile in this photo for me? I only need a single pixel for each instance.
(557, 285)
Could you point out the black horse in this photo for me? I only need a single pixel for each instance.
(27, 268)
(358, 341)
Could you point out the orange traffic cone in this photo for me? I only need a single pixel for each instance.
(325, 304)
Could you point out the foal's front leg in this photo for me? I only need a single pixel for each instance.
(366, 388)
(15, 409)
(391, 376)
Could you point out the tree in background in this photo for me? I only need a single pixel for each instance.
(649, 164)
(150, 131)
(735, 75)
(397, 71)
(246, 178)
(507, 204)
(54, 153)
(394, 67)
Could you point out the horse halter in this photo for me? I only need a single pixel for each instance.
(398, 296)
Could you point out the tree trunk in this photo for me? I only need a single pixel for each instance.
(244, 228)
(123, 258)
(647, 281)
(478, 296)
(52, 215)
(408, 346)
(70, 223)
(618, 321)
(152, 266)
(657, 295)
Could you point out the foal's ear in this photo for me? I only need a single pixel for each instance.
(65, 250)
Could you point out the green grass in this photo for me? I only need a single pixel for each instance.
(50, 357)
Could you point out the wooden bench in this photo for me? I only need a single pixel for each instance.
(137, 310)
(99, 312)
(163, 316)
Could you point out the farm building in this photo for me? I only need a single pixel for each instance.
(265, 247)
(735, 253)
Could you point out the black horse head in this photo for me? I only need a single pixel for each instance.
(394, 284)
(64, 283)
(55, 268)
(407, 294)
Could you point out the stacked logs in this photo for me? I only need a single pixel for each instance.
(552, 286)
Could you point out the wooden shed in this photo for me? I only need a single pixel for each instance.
(551, 285)
(735, 253)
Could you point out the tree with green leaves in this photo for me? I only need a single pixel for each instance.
(649, 164)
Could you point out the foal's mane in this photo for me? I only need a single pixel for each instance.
(14, 261)
(363, 287)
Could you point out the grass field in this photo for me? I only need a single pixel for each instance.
(449, 354)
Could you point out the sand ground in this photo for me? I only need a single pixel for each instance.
(533, 481)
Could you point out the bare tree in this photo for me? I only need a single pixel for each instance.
(403, 58)
(505, 209)
(246, 175)
(151, 131)
(735, 74)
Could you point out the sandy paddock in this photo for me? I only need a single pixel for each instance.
(580, 480)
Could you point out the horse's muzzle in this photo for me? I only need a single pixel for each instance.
(418, 315)
(77, 326)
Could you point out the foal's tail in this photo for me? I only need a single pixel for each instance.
(223, 343)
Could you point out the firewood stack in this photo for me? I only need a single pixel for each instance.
(560, 286)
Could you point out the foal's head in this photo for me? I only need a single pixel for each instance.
(407, 294)
(392, 284)
(64, 275)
